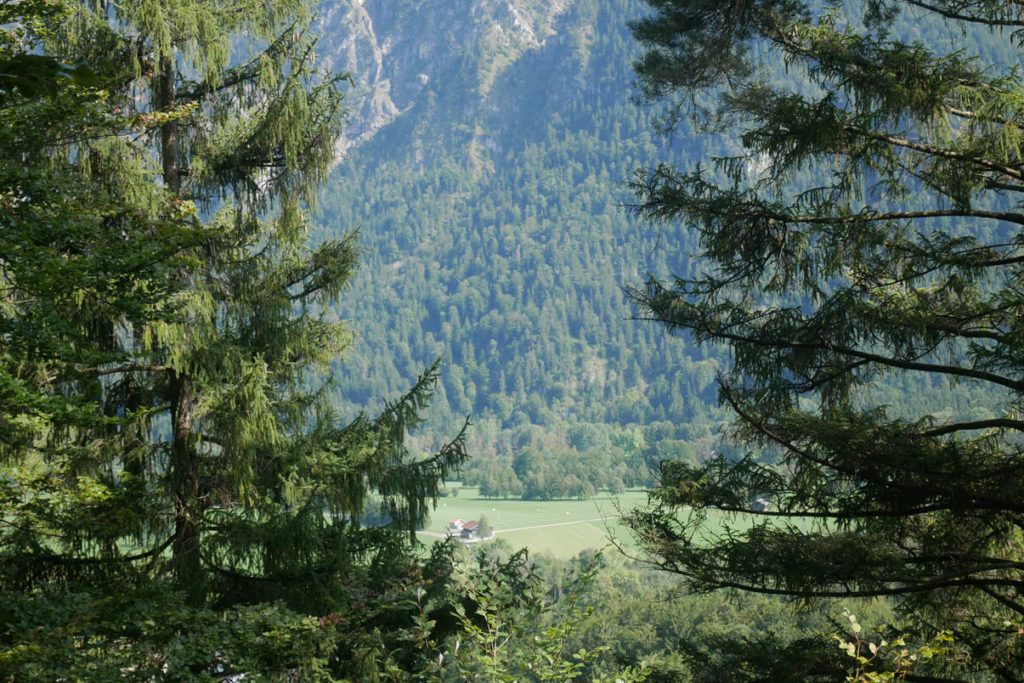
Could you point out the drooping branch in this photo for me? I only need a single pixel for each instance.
(995, 423)
(124, 369)
(938, 152)
(1010, 217)
(873, 476)
(241, 74)
(722, 334)
(960, 16)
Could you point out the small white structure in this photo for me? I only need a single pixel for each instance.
(455, 527)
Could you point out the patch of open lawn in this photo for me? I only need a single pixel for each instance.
(561, 528)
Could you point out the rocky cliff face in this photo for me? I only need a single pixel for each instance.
(404, 52)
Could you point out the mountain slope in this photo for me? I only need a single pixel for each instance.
(486, 169)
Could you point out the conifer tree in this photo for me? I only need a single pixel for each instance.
(84, 257)
(247, 125)
(867, 235)
(205, 477)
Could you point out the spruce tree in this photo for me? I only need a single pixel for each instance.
(865, 238)
(206, 499)
(85, 257)
(247, 125)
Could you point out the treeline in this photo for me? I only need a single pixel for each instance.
(550, 475)
(576, 460)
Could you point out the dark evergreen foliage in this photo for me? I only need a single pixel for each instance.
(902, 260)
(498, 237)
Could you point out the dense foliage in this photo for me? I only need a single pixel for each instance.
(497, 238)
(902, 260)
(178, 496)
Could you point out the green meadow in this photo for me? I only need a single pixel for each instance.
(560, 528)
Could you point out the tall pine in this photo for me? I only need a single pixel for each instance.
(862, 261)
(209, 496)
(246, 132)
(85, 256)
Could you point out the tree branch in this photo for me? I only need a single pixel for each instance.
(995, 423)
(988, 164)
(888, 361)
(958, 16)
(896, 215)
(1002, 599)
(99, 372)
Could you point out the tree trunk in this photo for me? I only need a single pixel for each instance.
(185, 488)
(184, 464)
(170, 145)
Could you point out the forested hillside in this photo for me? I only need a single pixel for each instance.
(492, 214)
(490, 149)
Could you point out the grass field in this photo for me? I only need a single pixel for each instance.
(561, 528)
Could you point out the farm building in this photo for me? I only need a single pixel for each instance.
(471, 530)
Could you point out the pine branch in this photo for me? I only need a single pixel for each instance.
(973, 116)
(995, 423)
(960, 16)
(834, 514)
(1003, 600)
(764, 428)
(864, 474)
(902, 364)
(240, 74)
(866, 217)
(804, 592)
(938, 152)
(63, 559)
(122, 369)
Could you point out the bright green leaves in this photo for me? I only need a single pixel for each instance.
(511, 631)
(890, 660)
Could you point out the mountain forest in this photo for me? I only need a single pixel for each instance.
(283, 280)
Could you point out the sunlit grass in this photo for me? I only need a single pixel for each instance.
(561, 528)
(564, 528)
